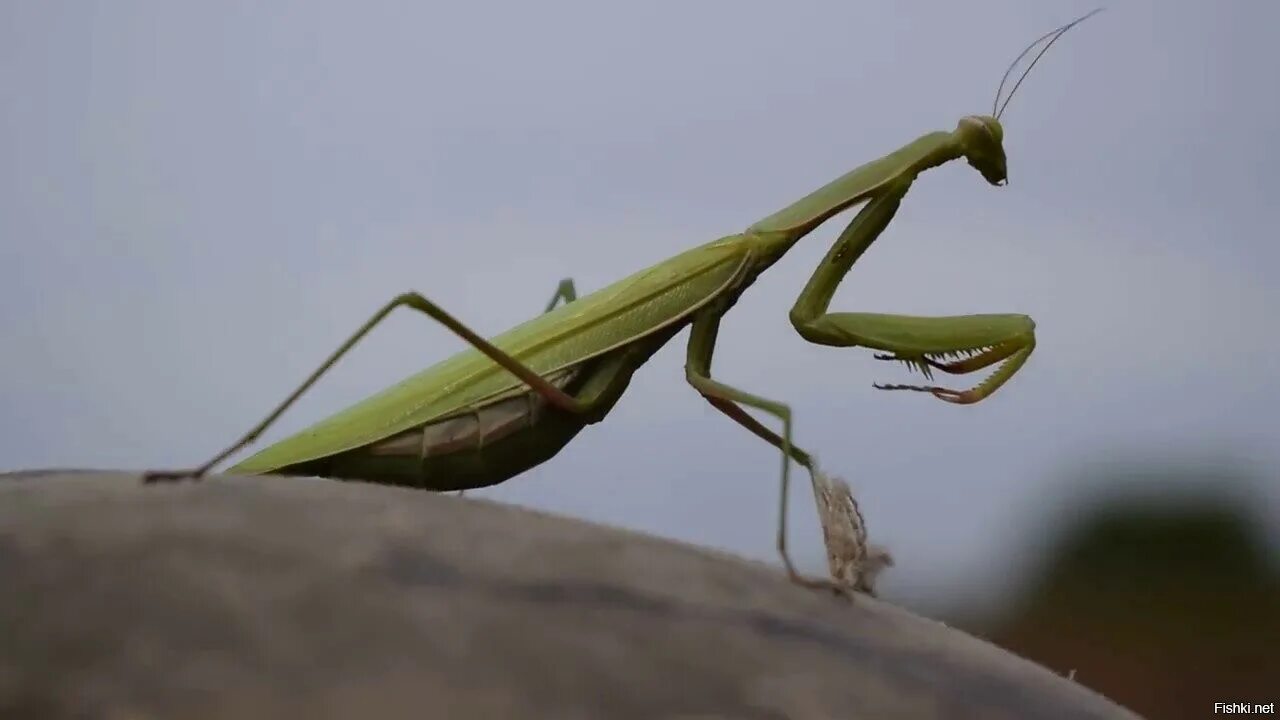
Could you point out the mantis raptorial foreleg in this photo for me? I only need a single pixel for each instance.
(971, 342)
(552, 394)
(564, 291)
(728, 400)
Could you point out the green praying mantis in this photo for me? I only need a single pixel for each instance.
(508, 404)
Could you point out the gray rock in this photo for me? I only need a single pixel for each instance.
(301, 598)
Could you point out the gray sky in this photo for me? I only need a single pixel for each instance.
(199, 201)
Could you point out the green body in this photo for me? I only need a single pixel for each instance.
(487, 425)
(467, 422)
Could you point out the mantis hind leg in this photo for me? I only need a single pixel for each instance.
(956, 345)
(728, 400)
(564, 291)
(553, 395)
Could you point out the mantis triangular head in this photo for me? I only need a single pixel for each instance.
(981, 137)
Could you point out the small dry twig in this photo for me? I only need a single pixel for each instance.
(853, 563)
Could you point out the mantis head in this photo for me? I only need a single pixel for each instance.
(981, 139)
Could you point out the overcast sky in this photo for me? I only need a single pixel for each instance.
(199, 201)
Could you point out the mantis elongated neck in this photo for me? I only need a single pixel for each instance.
(780, 231)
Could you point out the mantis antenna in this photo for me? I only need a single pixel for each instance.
(996, 108)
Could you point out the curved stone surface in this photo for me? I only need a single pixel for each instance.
(282, 597)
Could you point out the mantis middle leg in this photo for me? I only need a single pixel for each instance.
(728, 400)
(553, 395)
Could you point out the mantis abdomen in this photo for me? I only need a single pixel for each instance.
(492, 440)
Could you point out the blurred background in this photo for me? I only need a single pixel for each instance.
(199, 202)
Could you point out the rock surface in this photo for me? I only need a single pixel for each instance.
(289, 598)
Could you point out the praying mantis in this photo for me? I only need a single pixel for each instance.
(508, 404)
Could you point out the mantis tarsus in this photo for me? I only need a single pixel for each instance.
(495, 410)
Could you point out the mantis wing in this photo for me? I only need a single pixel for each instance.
(628, 310)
